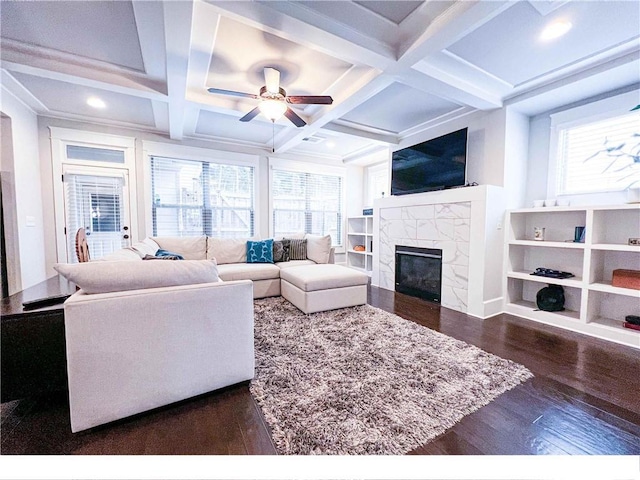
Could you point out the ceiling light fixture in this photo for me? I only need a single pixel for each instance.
(272, 109)
(331, 144)
(95, 102)
(555, 30)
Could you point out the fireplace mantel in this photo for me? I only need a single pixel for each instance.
(466, 223)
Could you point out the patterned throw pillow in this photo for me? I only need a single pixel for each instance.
(163, 255)
(260, 252)
(297, 249)
(281, 250)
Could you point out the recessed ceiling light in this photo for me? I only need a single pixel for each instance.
(555, 30)
(331, 144)
(95, 102)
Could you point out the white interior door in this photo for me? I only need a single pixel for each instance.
(97, 199)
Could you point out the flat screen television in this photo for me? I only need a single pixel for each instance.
(436, 164)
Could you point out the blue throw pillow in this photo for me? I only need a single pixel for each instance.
(260, 252)
(164, 253)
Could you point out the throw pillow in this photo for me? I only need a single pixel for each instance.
(171, 255)
(260, 252)
(281, 250)
(297, 249)
(105, 277)
(163, 257)
(318, 248)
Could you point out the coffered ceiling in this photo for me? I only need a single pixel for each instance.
(393, 68)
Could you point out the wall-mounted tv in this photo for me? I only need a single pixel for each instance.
(436, 164)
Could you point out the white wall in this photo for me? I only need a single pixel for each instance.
(28, 196)
(485, 144)
(516, 156)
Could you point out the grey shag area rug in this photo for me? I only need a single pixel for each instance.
(364, 381)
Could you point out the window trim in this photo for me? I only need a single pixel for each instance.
(591, 112)
(318, 169)
(182, 152)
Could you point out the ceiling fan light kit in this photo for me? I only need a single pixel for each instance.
(274, 100)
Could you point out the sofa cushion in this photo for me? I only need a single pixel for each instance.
(318, 247)
(322, 277)
(260, 251)
(297, 249)
(191, 248)
(126, 254)
(104, 277)
(227, 250)
(281, 250)
(295, 263)
(146, 247)
(248, 271)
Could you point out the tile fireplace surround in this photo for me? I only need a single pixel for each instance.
(466, 223)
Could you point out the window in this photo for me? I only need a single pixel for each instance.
(307, 202)
(192, 198)
(600, 156)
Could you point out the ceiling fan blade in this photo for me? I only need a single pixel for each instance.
(310, 99)
(272, 80)
(249, 116)
(295, 118)
(231, 92)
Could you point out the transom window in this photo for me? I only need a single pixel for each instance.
(601, 156)
(307, 202)
(192, 198)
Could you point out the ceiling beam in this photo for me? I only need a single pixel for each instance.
(370, 84)
(178, 17)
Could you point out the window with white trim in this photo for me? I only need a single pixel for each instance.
(191, 198)
(306, 202)
(599, 156)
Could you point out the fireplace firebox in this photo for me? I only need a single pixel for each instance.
(419, 272)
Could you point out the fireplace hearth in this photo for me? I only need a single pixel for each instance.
(419, 272)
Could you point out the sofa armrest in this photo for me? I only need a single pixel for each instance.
(332, 255)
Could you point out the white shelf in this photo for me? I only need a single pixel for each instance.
(359, 252)
(360, 232)
(595, 307)
(575, 282)
(615, 247)
(538, 243)
(606, 287)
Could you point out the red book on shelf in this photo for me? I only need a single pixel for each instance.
(631, 325)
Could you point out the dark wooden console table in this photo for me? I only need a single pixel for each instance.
(32, 344)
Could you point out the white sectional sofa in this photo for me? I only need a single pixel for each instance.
(146, 333)
(230, 255)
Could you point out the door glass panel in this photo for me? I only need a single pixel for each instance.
(95, 203)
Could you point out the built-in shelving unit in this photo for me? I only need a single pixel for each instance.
(592, 305)
(360, 233)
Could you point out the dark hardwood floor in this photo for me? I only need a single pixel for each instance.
(584, 399)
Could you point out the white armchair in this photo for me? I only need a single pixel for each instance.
(132, 351)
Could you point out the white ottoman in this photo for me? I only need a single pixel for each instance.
(316, 288)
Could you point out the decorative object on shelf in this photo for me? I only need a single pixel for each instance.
(538, 233)
(538, 203)
(550, 202)
(578, 234)
(547, 272)
(626, 278)
(634, 241)
(632, 326)
(550, 298)
(563, 202)
(359, 248)
(367, 211)
(634, 319)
